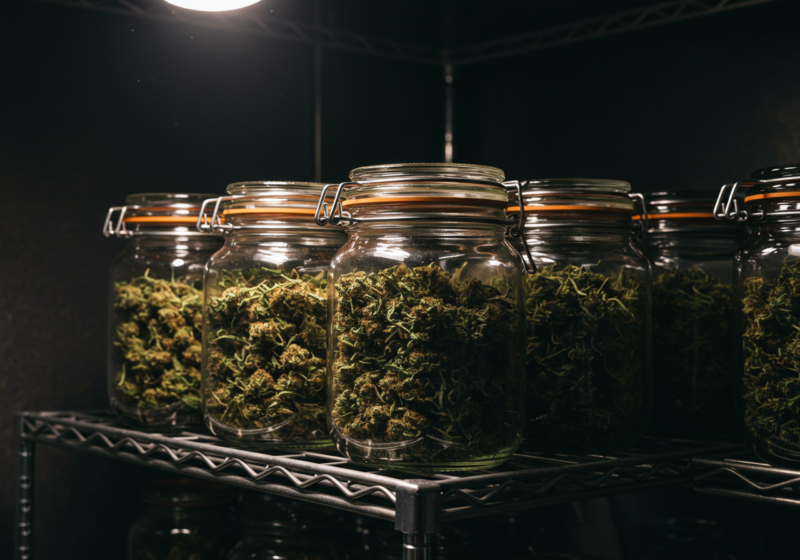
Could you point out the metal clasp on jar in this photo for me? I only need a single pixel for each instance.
(118, 229)
(644, 222)
(731, 210)
(215, 224)
(324, 216)
(517, 226)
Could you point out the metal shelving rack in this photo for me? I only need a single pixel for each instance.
(417, 504)
(251, 23)
(743, 475)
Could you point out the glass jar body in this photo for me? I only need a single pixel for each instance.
(282, 530)
(588, 338)
(265, 547)
(264, 342)
(196, 533)
(425, 367)
(695, 386)
(768, 301)
(155, 329)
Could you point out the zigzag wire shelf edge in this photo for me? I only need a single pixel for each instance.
(346, 487)
(743, 478)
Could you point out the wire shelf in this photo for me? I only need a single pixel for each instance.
(743, 475)
(254, 22)
(325, 477)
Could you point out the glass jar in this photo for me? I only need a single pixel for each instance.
(185, 519)
(286, 531)
(588, 315)
(425, 370)
(767, 292)
(155, 309)
(695, 387)
(265, 310)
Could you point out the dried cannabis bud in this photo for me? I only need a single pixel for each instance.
(422, 355)
(586, 357)
(695, 387)
(772, 355)
(157, 350)
(266, 354)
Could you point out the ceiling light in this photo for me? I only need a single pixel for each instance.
(212, 5)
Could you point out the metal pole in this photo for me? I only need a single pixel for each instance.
(317, 97)
(24, 527)
(449, 113)
(417, 546)
(449, 151)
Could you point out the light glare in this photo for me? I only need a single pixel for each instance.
(212, 5)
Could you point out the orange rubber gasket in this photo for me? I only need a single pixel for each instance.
(677, 216)
(785, 194)
(261, 197)
(160, 219)
(165, 209)
(303, 211)
(563, 208)
(449, 200)
(400, 180)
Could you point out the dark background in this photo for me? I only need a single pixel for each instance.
(96, 106)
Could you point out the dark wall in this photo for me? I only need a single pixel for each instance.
(688, 105)
(97, 106)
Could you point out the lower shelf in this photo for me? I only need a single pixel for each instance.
(416, 503)
(743, 475)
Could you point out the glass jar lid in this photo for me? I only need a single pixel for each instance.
(434, 184)
(570, 196)
(453, 192)
(155, 214)
(682, 210)
(185, 492)
(773, 194)
(262, 205)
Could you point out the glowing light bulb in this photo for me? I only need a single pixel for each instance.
(212, 5)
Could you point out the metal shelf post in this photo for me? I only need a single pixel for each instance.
(25, 476)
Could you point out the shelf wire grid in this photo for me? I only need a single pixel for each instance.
(252, 22)
(744, 476)
(642, 17)
(326, 477)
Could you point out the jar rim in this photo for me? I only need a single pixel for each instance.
(443, 170)
(578, 183)
(591, 198)
(271, 203)
(686, 209)
(430, 191)
(776, 172)
(246, 188)
(168, 199)
(774, 195)
(682, 196)
(155, 213)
